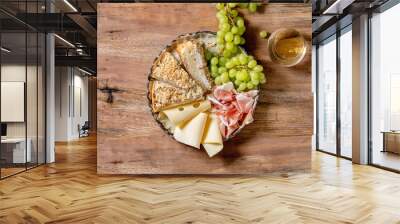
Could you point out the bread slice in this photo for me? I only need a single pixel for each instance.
(164, 95)
(167, 69)
(191, 54)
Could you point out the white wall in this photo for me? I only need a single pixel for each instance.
(71, 103)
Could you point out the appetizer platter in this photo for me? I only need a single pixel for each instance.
(203, 87)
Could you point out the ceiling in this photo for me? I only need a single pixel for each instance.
(329, 16)
(74, 22)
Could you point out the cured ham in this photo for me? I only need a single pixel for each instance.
(233, 109)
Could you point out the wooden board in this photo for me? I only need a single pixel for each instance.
(130, 36)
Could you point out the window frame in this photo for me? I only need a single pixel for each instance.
(337, 35)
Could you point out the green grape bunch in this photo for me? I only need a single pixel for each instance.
(232, 64)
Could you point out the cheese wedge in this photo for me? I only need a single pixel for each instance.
(164, 95)
(212, 149)
(212, 139)
(181, 114)
(192, 132)
(191, 53)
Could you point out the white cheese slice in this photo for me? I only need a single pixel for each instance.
(191, 132)
(212, 149)
(181, 114)
(212, 139)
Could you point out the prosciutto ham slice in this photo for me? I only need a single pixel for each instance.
(233, 109)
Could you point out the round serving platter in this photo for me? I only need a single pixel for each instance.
(208, 40)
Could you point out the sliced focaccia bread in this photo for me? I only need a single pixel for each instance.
(191, 54)
(167, 69)
(164, 95)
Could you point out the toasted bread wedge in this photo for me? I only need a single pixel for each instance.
(167, 69)
(164, 95)
(191, 54)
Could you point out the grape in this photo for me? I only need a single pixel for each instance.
(242, 75)
(234, 30)
(221, 70)
(222, 61)
(234, 49)
(220, 6)
(214, 74)
(243, 59)
(220, 14)
(235, 61)
(252, 8)
(254, 75)
(208, 55)
(225, 77)
(225, 27)
(258, 68)
(232, 73)
(223, 19)
(242, 87)
(252, 63)
(214, 61)
(220, 40)
(214, 69)
(237, 82)
(236, 40)
(221, 33)
(229, 46)
(234, 13)
(255, 82)
(229, 64)
(263, 34)
(261, 76)
(240, 22)
(227, 53)
(228, 37)
(242, 30)
(218, 80)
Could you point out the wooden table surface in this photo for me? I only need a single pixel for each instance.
(131, 35)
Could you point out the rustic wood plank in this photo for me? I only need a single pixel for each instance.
(131, 142)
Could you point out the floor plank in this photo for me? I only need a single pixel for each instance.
(70, 191)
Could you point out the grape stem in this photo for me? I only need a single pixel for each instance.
(241, 66)
(228, 14)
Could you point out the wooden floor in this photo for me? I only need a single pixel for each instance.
(69, 191)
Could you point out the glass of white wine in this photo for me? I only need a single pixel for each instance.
(287, 47)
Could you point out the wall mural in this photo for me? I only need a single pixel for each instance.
(207, 90)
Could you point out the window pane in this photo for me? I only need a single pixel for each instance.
(385, 84)
(41, 98)
(31, 98)
(346, 94)
(327, 96)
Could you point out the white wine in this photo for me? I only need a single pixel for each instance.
(287, 47)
